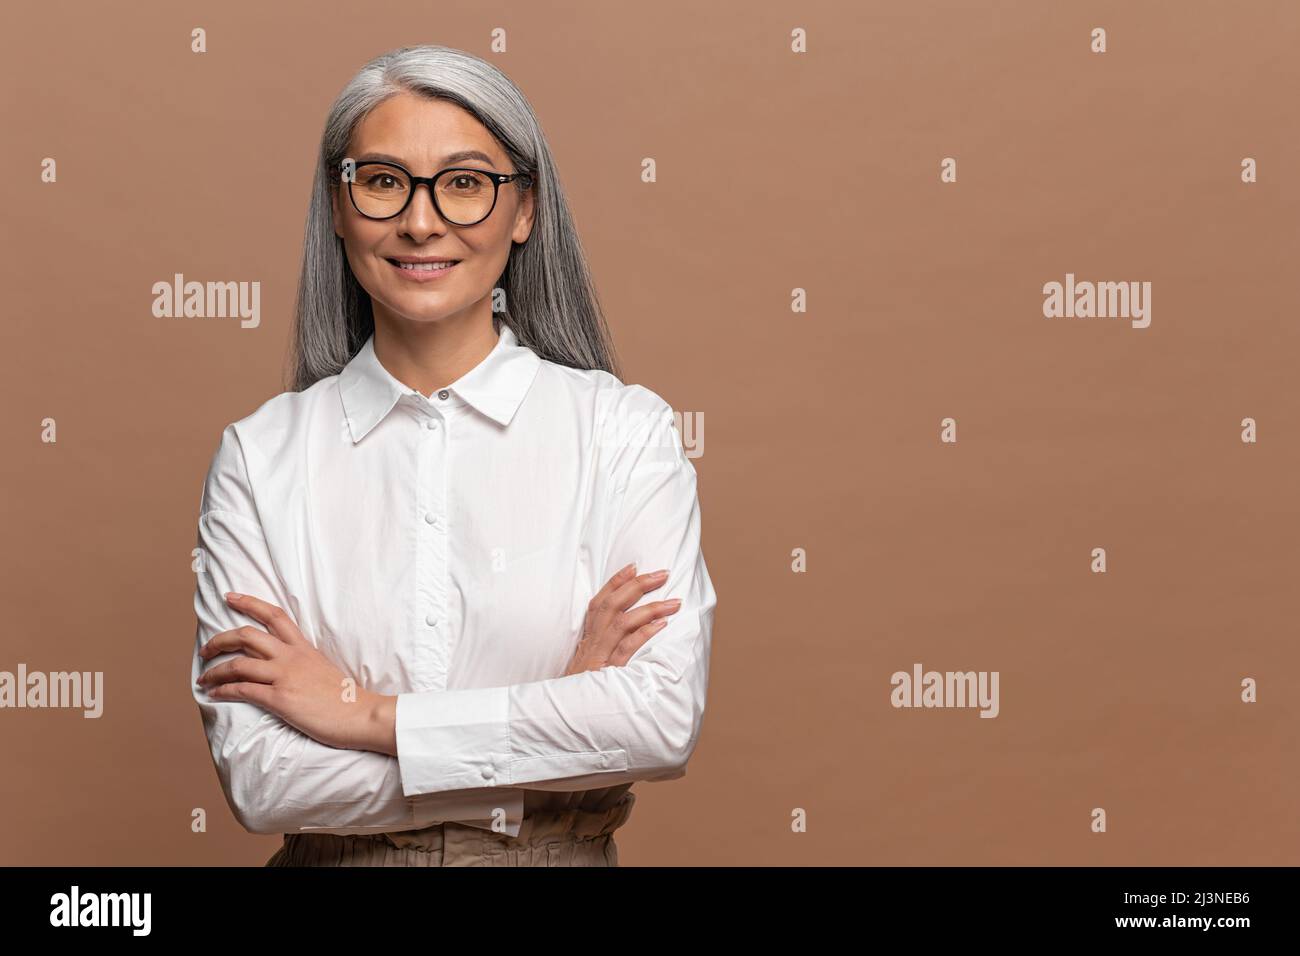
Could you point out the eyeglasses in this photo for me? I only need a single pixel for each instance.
(462, 195)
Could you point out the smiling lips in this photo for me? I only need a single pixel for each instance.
(422, 268)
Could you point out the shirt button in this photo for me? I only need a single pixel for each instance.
(430, 517)
(443, 394)
(488, 773)
(431, 621)
(431, 424)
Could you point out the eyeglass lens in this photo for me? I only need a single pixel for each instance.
(464, 196)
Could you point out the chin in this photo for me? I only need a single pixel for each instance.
(419, 316)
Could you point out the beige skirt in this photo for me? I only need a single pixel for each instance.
(574, 837)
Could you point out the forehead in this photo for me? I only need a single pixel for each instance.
(422, 132)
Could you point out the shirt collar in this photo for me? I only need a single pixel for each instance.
(495, 387)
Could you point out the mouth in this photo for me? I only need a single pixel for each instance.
(421, 269)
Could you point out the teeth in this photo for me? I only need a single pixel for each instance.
(425, 266)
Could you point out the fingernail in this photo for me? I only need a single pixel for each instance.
(660, 574)
(628, 568)
(233, 596)
(675, 603)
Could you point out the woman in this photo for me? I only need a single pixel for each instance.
(422, 637)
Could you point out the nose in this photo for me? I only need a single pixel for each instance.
(420, 220)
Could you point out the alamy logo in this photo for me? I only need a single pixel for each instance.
(669, 428)
(102, 909)
(212, 300)
(56, 689)
(946, 689)
(1102, 300)
(639, 430)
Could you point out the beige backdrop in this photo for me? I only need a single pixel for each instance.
(776, 171)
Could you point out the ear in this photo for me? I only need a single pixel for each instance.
(334, 209)
(524, 216)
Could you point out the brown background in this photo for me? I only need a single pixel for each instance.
(818, 171)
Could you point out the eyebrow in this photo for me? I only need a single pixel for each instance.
(457, 157)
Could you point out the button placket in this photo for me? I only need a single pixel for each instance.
(431, 563)
(434, 526)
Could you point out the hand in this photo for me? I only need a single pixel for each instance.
(284, 673)
(611, 633)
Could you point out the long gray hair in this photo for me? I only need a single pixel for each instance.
(551, 302)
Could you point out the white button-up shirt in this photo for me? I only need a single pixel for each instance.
(444, 549)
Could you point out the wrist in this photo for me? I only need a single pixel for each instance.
(379, 726)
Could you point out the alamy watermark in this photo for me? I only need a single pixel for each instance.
(211, 300)
(74, 689)
(946, 689)
(102, 909)
(654, 430)
(1101, 300)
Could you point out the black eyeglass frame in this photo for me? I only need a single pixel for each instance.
(497, 180)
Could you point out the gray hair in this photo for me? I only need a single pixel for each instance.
(551, 302)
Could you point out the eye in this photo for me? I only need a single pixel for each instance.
(383, 181)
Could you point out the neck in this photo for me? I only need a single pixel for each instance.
(427, 356)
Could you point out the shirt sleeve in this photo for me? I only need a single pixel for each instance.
(619, 724)
(276, 778)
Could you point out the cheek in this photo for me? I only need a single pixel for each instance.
(358, 246)
(489, 251)
(358, 263)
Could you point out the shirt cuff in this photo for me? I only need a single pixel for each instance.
(484, 809)
(453, 739)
